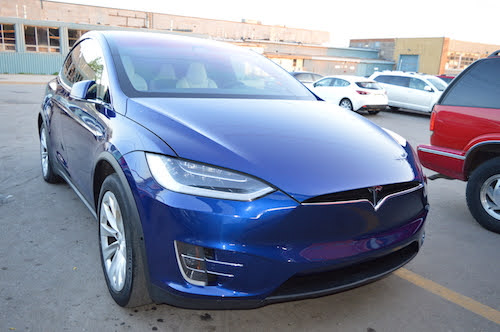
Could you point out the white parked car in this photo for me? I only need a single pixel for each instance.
(352, 92)
(414, 91)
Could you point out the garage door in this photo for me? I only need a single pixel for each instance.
(408, 62)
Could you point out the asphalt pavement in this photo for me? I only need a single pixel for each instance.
(51, 278)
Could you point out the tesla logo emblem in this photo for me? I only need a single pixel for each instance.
(375, 190)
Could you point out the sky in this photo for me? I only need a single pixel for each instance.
(475, 21)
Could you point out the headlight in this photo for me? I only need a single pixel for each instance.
(398, 138)
(189, 177)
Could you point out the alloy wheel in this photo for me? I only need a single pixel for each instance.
(113, 243)
(490, 196)
(44, 152)
(346, 103)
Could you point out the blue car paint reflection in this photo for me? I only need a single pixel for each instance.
(343, 194)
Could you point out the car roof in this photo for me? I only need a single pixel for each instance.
(403, 73)
(304, 72)
(494, 54)
(350, 78)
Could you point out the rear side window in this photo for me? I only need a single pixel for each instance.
(341, 83)
(393, 80)
(477, 87)
(384, 79)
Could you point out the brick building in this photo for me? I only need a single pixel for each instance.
(433, 56)
(35, 36)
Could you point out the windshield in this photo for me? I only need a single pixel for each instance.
(438, 83)
(169, 66)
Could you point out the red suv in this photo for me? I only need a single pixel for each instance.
(465, 141)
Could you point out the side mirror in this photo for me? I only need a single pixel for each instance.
(84, 90)
(428, 88)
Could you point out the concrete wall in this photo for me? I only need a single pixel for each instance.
(82, 14)
(428, 49)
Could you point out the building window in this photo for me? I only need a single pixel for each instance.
(73, 36)
(42, 39)
(461, 60)
(7, 37)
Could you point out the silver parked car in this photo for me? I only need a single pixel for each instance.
(414, 91)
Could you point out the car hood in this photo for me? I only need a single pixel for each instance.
(304, 148)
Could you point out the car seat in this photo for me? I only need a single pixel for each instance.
(196, 77)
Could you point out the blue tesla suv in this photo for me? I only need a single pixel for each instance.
(218, 180)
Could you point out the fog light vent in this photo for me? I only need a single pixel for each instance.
(192, 263)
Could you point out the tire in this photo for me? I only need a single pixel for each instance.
(373, 112)
(45, 158)
(483, 194)
(121, 245)
(346, 103)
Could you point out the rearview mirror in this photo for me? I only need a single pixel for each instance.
(428, 88)
(84, 90)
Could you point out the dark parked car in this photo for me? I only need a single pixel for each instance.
(218, 180)
(446, 78)
(465, 141)
(306, 77)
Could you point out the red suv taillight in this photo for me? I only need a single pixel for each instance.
(433, 120)
(362, 92)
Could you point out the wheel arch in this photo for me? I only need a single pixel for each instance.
(479, 154)
(106, 165)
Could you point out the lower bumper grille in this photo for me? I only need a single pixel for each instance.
(318, 284)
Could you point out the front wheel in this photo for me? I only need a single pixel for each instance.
(121, 245)
(346, 103)
(483, 194)
(45, 159)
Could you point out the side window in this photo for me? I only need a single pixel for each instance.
(342, 83)
(384, 79)
(69, 74)
(416, 83)
(477, 87)
(401, 81)
(324, 82)
(92, 67)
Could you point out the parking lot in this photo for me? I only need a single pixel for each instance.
(51, 278)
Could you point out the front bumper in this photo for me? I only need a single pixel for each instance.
(272, 249)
